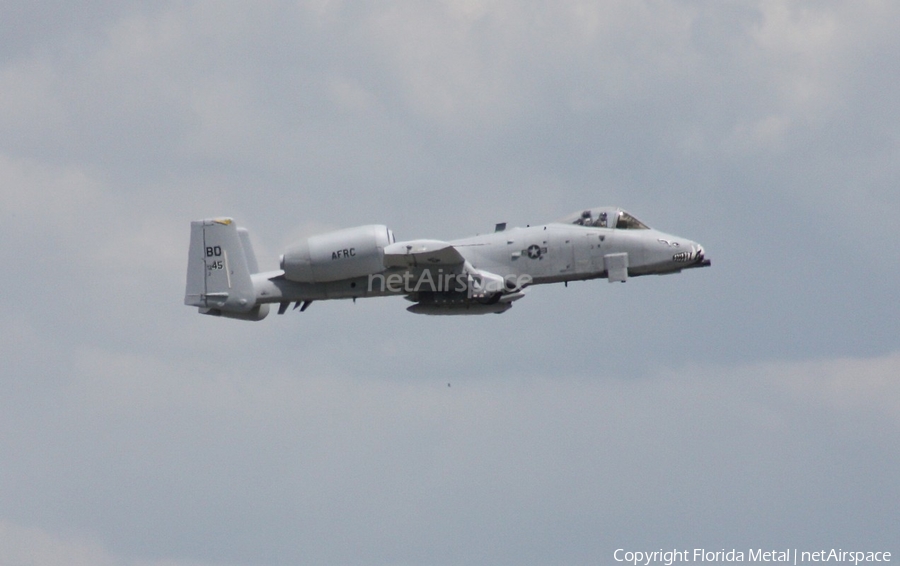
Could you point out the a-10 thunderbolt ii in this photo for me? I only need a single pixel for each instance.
(477, 275)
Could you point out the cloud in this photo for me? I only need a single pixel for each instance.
(31, 190)
(750, 403)
(218, 465)
(30, 546)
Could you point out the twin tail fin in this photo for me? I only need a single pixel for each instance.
(220, 265)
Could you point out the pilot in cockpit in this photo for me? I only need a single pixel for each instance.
(585, 219)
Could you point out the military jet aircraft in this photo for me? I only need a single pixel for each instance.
(477, 275)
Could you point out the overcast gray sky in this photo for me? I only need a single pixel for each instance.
(752, 404)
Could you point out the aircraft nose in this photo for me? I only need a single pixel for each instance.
(700, 259)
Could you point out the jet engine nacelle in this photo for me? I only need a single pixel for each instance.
(343, 254)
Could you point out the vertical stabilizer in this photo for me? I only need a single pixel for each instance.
(244, 235)
(220, 262)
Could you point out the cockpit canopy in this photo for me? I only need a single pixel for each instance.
(605, 217)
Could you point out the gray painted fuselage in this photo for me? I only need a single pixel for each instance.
(549, 253)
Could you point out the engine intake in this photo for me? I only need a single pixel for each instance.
(343, 254)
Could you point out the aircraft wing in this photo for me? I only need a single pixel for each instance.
(422, 253)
